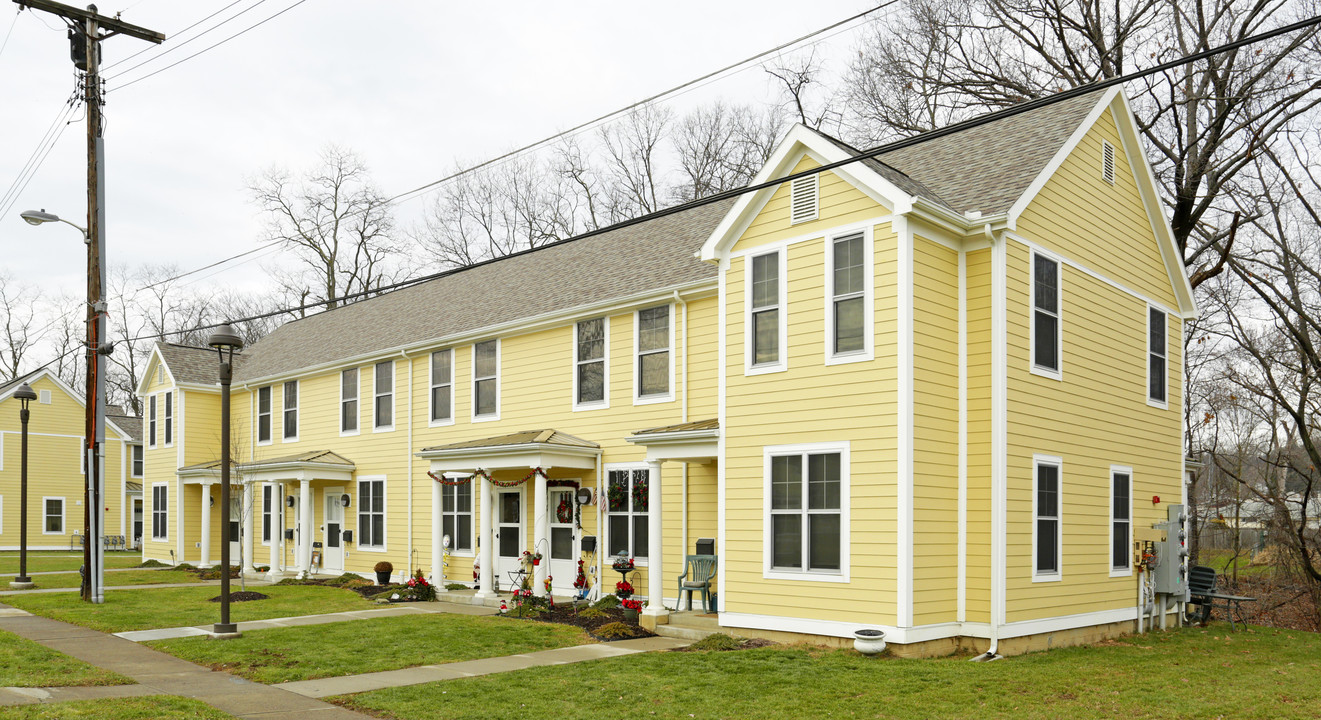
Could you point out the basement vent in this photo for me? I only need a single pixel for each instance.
(803, 200)
(44, 397)
(1108, 162)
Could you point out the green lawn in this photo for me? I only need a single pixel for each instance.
(61, 560)
(175, 607)
(24, 663)
(1223, 562)
(363, 646)
(146, 576)
(148, 707)
(1192, 673)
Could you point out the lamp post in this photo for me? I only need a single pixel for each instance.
(24, 395)
(225, 341)
(98, 347)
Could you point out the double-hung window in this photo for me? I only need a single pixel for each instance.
(169, 419)
(291, 410)
(151, 421)
(264, 414)
(486, 380)
(653, 351)
(626, 512)
(806, 509)
(456, 515)
(52, 510)
(848, 295)
(766, 311)
(589, 376)
(1156, 352)
(371, 513)
(442, 387)
(1045, 314)
(348, 401)
(136, 469)
(160, 511)
(1121, 520)
(383, 377)
(1046, 518)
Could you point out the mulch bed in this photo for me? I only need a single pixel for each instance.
(743, 644)
(242, 596)
(565, 614)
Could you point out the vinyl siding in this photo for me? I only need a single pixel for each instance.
(979, 538)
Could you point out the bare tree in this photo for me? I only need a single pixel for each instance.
(336, 224)
(943, 60)
(20, 324)
(800, 78)
(67, 339)
(721, 147)
(632, 171)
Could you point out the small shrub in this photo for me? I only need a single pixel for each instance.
(456, 586)
(615, 631)
(591, 613)
(384, 566)
(153, 564)
(184, 566)
(718, 641)
(606, 602)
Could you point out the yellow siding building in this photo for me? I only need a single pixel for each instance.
(925, 392)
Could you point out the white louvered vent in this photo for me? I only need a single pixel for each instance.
(1108, 162)
(44, 397)
(803, 200)
(160, 375)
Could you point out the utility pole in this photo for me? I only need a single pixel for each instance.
(85, 36)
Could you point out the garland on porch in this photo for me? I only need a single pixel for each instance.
(486, 476)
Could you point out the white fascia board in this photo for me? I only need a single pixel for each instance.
(799, 142)
(682, 436)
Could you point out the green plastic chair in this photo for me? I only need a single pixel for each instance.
(697, 575)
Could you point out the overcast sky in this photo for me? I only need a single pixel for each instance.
(410, 86)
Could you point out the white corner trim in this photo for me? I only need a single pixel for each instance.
(999, 433)
(722, 387)
(962, 587)
(904, 501)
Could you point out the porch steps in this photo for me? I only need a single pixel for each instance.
(690, 626)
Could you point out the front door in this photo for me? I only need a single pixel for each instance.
(333, 560)
(236, 526)
(137, 523)
(509, 543)
(563, 539)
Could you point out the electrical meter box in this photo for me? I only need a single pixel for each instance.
(1171, 571)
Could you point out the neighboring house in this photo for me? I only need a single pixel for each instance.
(135, 458)
(919, 392)
(56, 425)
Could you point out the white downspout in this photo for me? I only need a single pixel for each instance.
(999, 398)
(408, 462)
(596, 593)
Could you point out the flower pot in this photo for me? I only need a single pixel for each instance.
(536, 562)
(869, 642)
(382, 578)
(630, 616)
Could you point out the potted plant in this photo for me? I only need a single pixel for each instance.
(531, 558)
(631, 608)
(383, 570)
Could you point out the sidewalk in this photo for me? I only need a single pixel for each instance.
(387, 611)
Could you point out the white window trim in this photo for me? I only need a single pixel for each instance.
(1123, 571)
(64, 512)
(604, 402)
(2, 512)
(1058, 463)
(869, 306)
(385, 511)
(781, 303)
(1146, 359)
(604, 541)
(431, 386)
(270, 389)
(394, 384)
(357, 430)
(152, 402)
(1057, 374)
(165, 511)
(637, 375)
(472, 525)
(260, 501)
(472, 387)
(131, 450)
(284, 410)
(167, 417)
(842, 576)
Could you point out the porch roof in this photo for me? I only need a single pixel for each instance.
(529, 448)
(697, 441)
(315, 464)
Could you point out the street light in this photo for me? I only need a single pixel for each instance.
(225, 341)
(24, 395)
(37, 217)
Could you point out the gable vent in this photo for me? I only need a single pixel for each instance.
(44, 397)
(803, 200)
(160, 375)
(1108, 162)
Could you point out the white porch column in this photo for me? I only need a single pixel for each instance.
(250, 521)
(277, 527)
(486, 575)
(655, 562)
(540, 535)
(437, 550)
(305, 527)
(204, 559)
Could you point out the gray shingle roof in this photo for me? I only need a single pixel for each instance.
(525, 437)
(197, 365)
(649, 256)
(130, 424)
(712, 424)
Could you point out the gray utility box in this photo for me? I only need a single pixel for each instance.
(1171, 571)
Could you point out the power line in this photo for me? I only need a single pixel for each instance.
(674, 91)
(209, 47)
(12, 23)
(38, 156)
(190, 27)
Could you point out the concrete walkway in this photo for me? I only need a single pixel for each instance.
(202, 583)
(300, 620)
